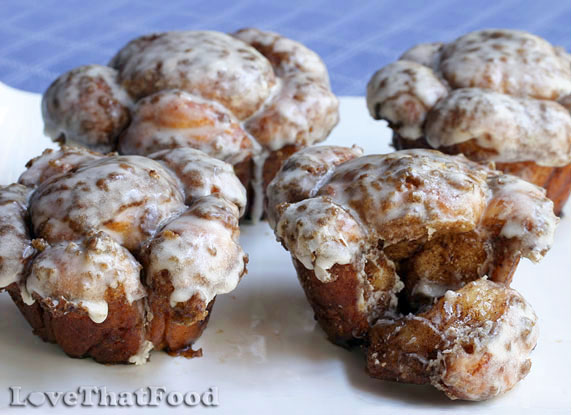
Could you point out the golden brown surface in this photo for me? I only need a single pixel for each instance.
(175, 328)
(335, 304)
(114, 341)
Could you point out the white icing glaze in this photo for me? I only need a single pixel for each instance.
(15, 244)
(202, 175)
(408, 194)
(508, 61)
(427, 54)
(429, 289)
(286, 55)
(82, 272)
(128, 197)
(303, 111)
(175, 118)
(402, 93)
(500, 355)
(526, 215)
(403, 197)
(92, 213)
(87, 106)
(473, 344)
(319, 234)
(511, 75)
(142, 355)
(52, 162)
(211, 64)
(514, 129)
(200, 251)
(303, 174)
(235, 97)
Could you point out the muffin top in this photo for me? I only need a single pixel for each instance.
(85, 227)
(505, 91)
(210, 64)
(229, 95)
(339, 214)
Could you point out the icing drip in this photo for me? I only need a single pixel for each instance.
(82, 272)
(200, 251)
(320, 234)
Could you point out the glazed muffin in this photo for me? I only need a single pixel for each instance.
(251, 99)
(391, 240)
(492, 95)
(113, 256)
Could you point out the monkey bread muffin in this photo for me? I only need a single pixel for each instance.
(492, 95)
(250, 99)
(387, 246)
(112, 256)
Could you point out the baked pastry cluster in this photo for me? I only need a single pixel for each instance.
(113, 256)
(410, 255)
(492, 95)
(250, 99)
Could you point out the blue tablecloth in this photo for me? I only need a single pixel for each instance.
(39, 39)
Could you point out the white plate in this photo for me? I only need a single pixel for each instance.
(262, 348)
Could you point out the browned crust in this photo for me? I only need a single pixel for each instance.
(451, 260)
(274, 162)
(335, 303)
(401, 358)
(175, 329)
(104, 118)
(556, 180)
(244, 172)
(406, 349)
(167, 331)
(114, 341)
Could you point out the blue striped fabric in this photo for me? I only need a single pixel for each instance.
(39, 39)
